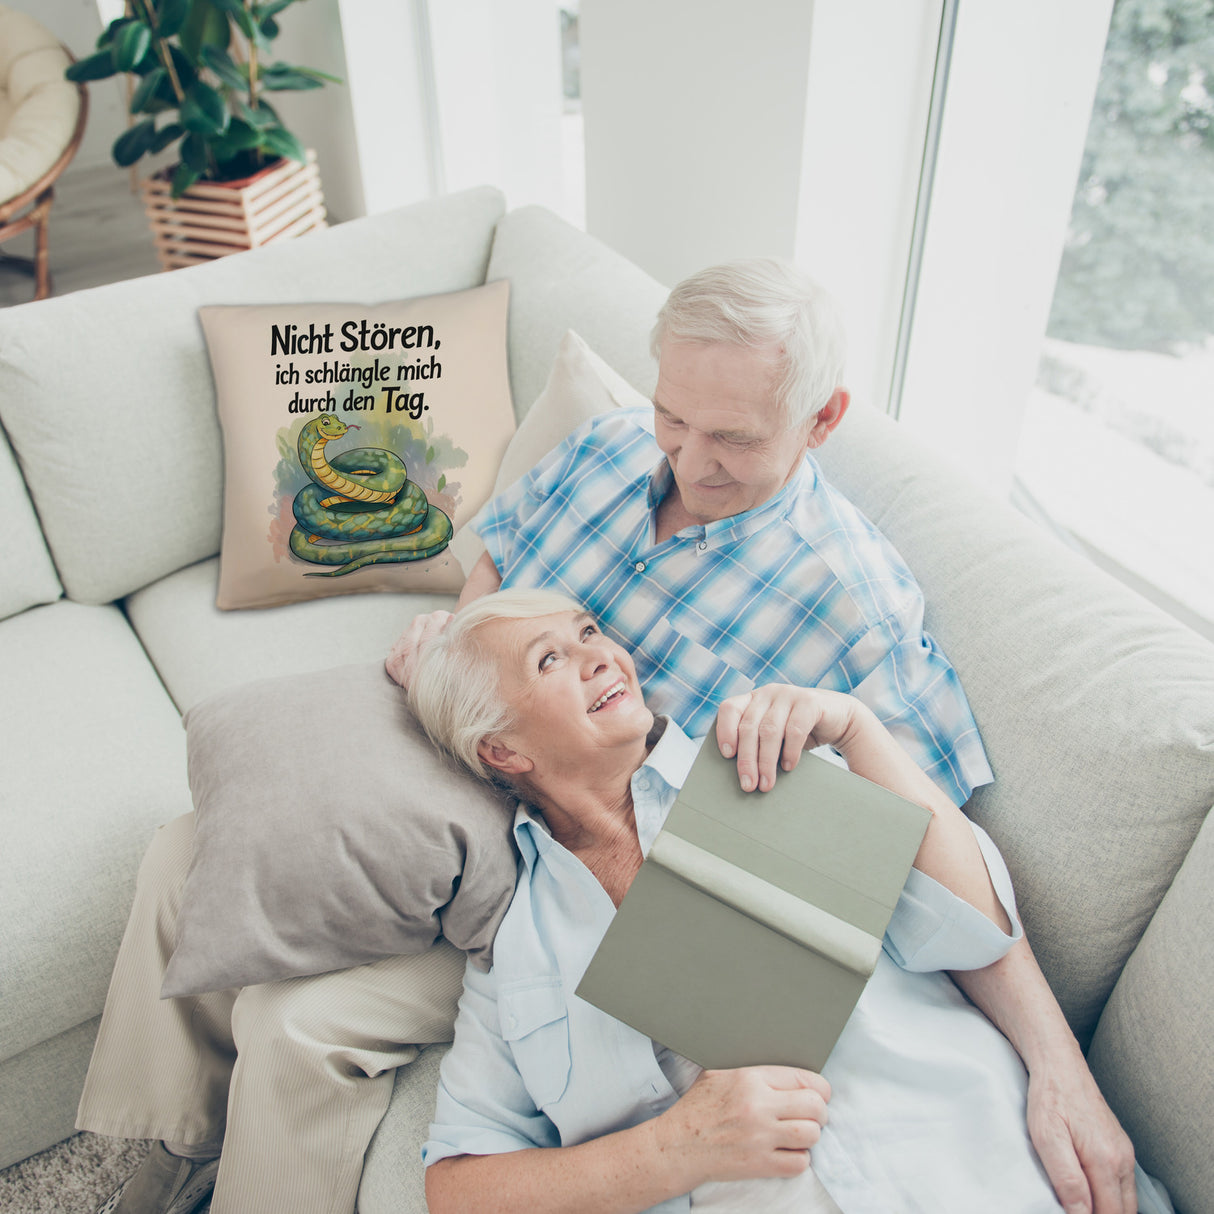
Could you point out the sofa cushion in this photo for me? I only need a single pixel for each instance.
(94, 760)
(1152, 1054)
(29, 573)
(562, 279)
(1097, 710)
(322, 455)
(116, 429)
(329, 832)
(199, 650)
(393, 1179)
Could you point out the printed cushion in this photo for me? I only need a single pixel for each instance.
(330, 833)
(357, 440)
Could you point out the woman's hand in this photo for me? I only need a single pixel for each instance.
(402, 658)
(750, 1122)
(772, 725)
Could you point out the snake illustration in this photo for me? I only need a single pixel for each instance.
(362, 505)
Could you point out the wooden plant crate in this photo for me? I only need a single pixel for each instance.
(215, 218)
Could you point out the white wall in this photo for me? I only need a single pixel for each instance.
(870, 83)
(694, 126)
(780, 128)
(497, 70)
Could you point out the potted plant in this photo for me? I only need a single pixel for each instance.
(201, 71)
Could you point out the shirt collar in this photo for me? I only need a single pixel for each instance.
(737, 526)
(655, 785)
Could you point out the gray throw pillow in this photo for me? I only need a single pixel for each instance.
(330, 833)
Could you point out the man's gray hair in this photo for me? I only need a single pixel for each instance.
(455, 692)
(763, 303)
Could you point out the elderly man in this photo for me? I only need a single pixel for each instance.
(704, 538)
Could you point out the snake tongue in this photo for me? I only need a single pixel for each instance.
(351, 426)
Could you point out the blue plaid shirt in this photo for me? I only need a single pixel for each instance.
(802, 589)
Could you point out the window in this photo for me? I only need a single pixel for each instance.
(1117, 444)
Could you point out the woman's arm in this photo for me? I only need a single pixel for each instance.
(769, 727)
(730, 1125)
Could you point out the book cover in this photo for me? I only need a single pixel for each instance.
(755, 921)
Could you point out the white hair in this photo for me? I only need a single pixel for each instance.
(763, 303)
(454, 691)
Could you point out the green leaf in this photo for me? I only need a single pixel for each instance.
(144, 97)
(442, 483)
(225, 67)
(130, 45)
(106, 38)
(271, 9)
(203, 111)
(268, 28)
(132, 143)
(279, 77)
(166, 135)
(262, 118)
(186, 71)
(194, 153)
(95, 67)
(429, 455)
(278, 141)
(183, 178)
(205, 26)
(239, 137)
(171, 16)
(237, 12)
(317, 74)
(281, 142)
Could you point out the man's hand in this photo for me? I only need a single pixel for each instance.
(403, 655)
(770, 727)
(1087, 1155)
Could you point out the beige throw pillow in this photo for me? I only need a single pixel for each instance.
(357, 439)
(580, 386)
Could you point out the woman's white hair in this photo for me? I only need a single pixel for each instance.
(763, 303)
(454, 691)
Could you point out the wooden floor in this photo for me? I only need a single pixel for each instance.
(98, 234)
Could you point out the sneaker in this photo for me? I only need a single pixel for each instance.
(164, 1184)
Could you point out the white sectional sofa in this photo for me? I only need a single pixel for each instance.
(1097, 711)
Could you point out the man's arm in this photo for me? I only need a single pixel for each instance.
(484, 579)
(1087, 1155)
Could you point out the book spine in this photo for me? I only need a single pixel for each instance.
(802, 922)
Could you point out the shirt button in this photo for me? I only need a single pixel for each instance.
(702, 545)
(639, 566)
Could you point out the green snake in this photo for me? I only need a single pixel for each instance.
(361, 509)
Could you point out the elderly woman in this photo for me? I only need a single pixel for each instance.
(547, 1103)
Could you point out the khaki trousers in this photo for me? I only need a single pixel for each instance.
(293, 1076)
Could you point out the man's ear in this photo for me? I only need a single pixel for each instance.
(501, 758)
(829, 416)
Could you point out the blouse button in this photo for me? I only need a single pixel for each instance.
(639, 566)
(702, 545)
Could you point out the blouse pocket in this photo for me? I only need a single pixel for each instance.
(535, 1023)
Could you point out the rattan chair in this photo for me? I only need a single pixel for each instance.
(42, 118)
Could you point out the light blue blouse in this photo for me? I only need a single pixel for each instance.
(928, 1104)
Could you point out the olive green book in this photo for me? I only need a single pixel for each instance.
(755, 921)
